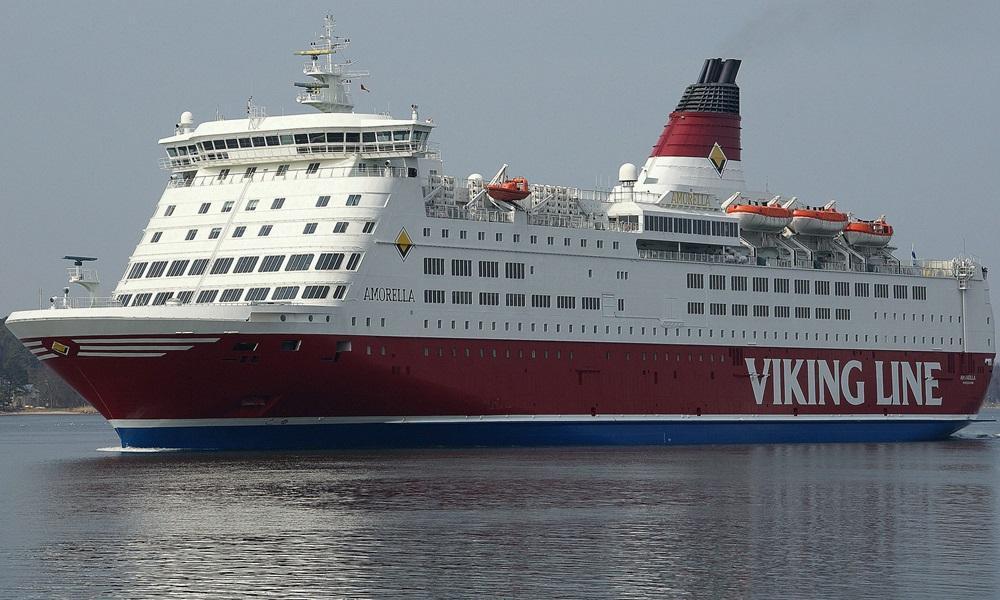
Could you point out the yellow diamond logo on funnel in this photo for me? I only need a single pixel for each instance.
(718, 158)
(403, 243)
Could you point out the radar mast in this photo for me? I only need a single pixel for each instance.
(330, 92)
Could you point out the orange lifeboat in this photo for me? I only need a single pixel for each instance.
(824, 221)
(761, 217)
(868, 233)
(510, 190)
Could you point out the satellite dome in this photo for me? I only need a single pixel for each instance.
(187, 118)
(475, 178)
(627, 172)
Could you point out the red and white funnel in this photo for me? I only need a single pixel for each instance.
(699, 149)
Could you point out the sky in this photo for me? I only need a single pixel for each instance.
(887, 107)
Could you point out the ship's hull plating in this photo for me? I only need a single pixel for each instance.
(266, 391)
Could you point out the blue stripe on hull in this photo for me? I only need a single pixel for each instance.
(635, 433)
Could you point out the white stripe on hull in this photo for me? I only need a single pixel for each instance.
(151, 423)
(159, 340)
(124, 354)
(126, 348)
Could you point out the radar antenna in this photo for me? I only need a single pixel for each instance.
(330, 92)
(83, 277)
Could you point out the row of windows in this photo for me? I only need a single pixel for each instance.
(255, 294)
(327, 261)
(512, 299)
(264, 231)
(276, 204)
(763, 310)
(738, 283)
(461, 267)
(550, 240)
(691, 226)
(290, 139)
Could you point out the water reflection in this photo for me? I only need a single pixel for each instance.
(901, 520)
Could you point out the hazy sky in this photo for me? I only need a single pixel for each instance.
(889, 107)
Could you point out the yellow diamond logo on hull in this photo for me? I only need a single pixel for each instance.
(718, 158)
(403, 243)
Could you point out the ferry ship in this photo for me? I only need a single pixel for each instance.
(319, 281)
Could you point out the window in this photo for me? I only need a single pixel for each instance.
(137, 270)
(514, 270)
(461, 297)
(696, 281)
(802, 286)
(841, 288)
(223, 174)
(717, 309)
(489, 268)
(434, 296)
(782, 312)
(489, 298)
(214, 233)
(312, 168)
(282, 169)
(184, 297)
(248, 174)
(207, 296)
(444, 233)
(761, 310)
(177, 268)
(156, 237)
(781, 286)
(169, 211)
(739, 310)
(899, 292)
(738, 283)
(221, 266)
(277, 203)
(141, 299)
(299, 262)
(352, 262)
(231, 295)
(588, 303)
(227, 206)
(353, 200)
(802, 312)
(264, 231)
(310, 228)
(540, 301)
(861, 290)
(881, 290)
(198, 266)
(252, 204)
(919, 292)
(257, 294)
(340, 227)
(822, 313)
(696, 308)
(566, 301)
(271, 263)
(191, 234)
(322, 201)
(203, 209)
(329, 261)
(156, 268)
(315, 292)
(288, 292)
(760, 284)
(821, 288)
(843, 314)
(461, 267)
(239, 231)
(246, 264)
(339, 292)
(614, 245)
(716, 282)
(433, 266)
(370, 227)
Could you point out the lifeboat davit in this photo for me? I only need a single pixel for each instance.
(824, 221)
(761, 217)
(868, 233)
(510, 190)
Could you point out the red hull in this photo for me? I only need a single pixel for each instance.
(426, 376)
